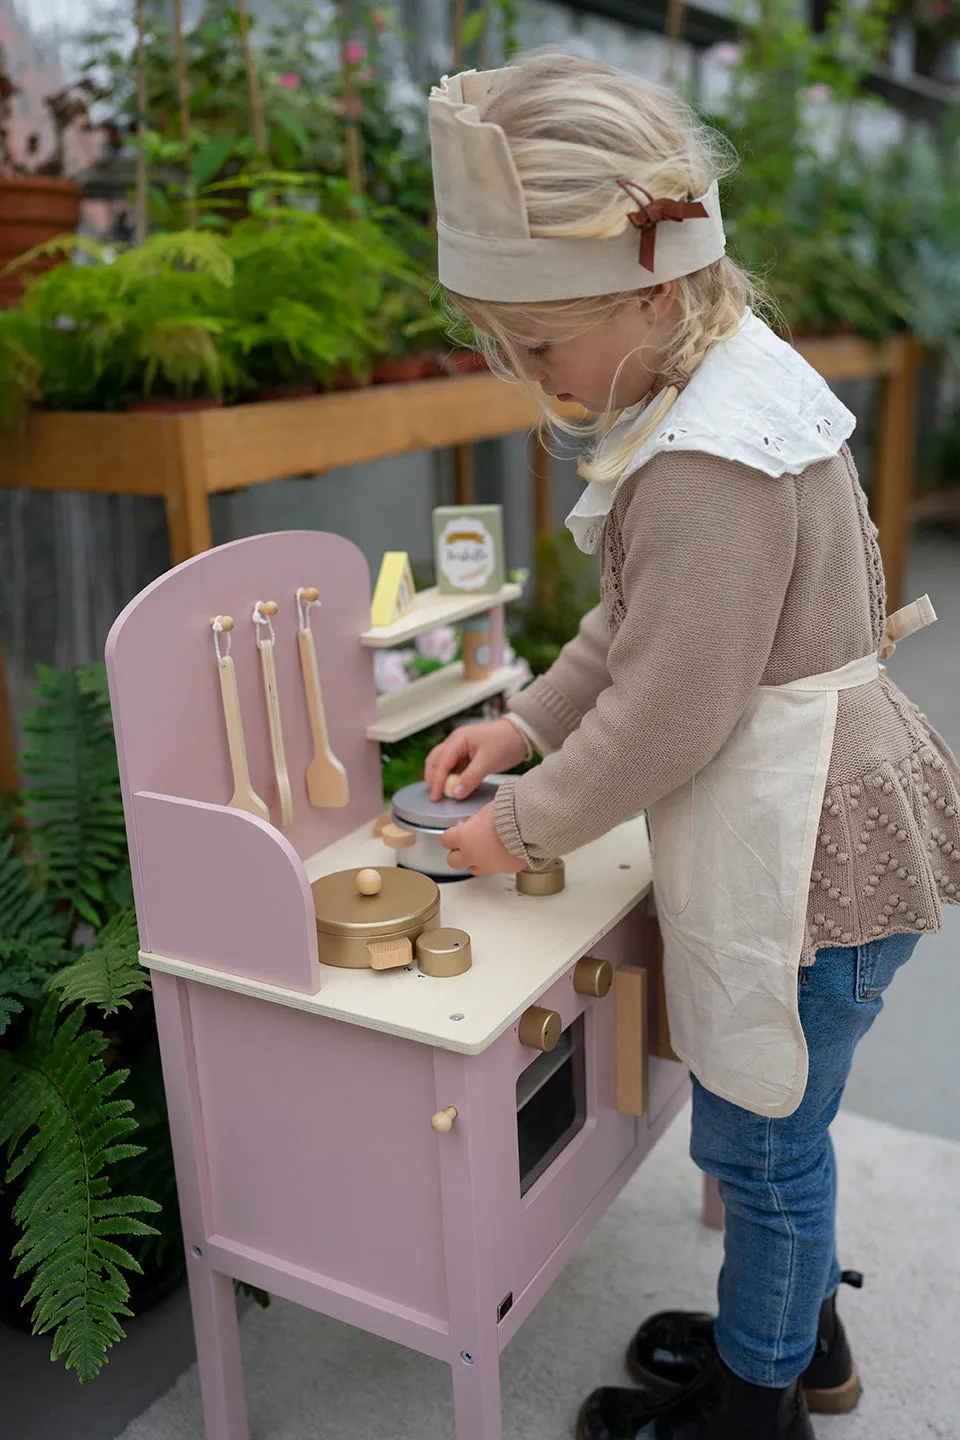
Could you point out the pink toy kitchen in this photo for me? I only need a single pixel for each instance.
(397, 1096)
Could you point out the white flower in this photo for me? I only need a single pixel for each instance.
(440, 644)
(726, 53)
(390, 670)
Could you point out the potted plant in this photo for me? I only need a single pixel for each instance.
(307, 293)
(74, 1020)
(37, 201)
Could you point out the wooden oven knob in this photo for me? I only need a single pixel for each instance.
(442, 1121)
(592, 977)
(539, 1029)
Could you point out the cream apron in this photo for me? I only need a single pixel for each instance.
(733, 852)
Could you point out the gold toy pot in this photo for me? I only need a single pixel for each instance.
(369, 919)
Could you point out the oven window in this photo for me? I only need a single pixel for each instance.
(551, 1104)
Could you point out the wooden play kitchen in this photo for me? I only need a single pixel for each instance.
(399, 1101)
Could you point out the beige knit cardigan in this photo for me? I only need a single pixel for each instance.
(716, 578)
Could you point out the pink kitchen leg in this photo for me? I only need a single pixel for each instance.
(712, 1212)
(211, 1293)
(217, 1335)
(476, 1390)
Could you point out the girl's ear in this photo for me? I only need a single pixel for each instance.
(659, 298)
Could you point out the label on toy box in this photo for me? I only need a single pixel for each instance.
(469, 548)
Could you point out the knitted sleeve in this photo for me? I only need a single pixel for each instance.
(709, 548)
(557, 701)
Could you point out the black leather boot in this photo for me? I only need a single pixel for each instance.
(717, 1406)
(669, 1350)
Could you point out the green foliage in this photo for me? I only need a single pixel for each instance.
(62, 1127)
(845, 239)
(76, 1181)
(73, 793)
(109, 973)
(19, 369)
(567, 587)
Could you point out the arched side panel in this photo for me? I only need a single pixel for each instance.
(224, 889)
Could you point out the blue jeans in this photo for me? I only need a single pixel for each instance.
(778, 1178)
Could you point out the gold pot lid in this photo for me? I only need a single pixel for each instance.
(406, 899)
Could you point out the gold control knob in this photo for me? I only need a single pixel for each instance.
(592, 977)
(542, 882)
(539, 1029)
(442, 1121)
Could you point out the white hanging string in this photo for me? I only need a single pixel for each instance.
(218, 630)
(302, 606)
(259, 618)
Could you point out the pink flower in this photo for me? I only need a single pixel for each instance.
(379, 19)
(292, 82)
(390, 670)
(817, 94)
(439, 644)
(726, 53)
(356, 52)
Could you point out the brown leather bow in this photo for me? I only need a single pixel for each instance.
(651, 212)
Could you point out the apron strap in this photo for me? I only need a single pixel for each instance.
(915, 616)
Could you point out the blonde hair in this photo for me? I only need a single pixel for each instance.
(574, 127)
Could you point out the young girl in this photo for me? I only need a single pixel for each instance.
(803, 813)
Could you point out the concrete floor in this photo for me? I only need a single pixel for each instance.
(907, 1072)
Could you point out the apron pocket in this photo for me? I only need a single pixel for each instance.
(671, 825)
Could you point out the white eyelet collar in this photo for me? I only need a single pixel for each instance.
(753, 400)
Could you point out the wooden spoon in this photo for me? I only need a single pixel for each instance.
(244, 796)
(327, 782)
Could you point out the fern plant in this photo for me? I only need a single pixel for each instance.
(67, 1117)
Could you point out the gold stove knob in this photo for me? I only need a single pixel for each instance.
(592, 977)
(539, 1029)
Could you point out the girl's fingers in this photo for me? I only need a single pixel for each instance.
(456, 860)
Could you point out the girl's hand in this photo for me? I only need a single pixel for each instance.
(489, 747)
(476, 846)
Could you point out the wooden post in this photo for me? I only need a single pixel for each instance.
(253, 85)
(352, 136)
(893, 479)
(464, 488)
(140, 204)
(183, 96)
(9, 780)
(673, 31)
(456, 33)
(185, 489)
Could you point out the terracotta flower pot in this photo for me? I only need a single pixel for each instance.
(346, 380)
(405, 368)
(467, 362)
(33, 208)
(284, 392)
(170, 404)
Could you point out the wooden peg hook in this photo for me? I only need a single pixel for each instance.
(226, 621)
(267, 607)
(310, 593)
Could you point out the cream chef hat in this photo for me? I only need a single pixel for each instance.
(486, 251)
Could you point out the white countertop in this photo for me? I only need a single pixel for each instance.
(521, 944)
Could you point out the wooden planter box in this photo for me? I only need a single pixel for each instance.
(187, 457)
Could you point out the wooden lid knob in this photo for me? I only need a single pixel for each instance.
(369, 882)
(442, 1121)
(449, 785)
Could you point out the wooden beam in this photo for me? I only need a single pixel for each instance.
(893, 474)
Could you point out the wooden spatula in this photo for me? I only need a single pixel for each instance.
(327, 782)
(244, 796)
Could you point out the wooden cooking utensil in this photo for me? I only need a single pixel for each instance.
(271, 693)
(327, 782)
(244, 796)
